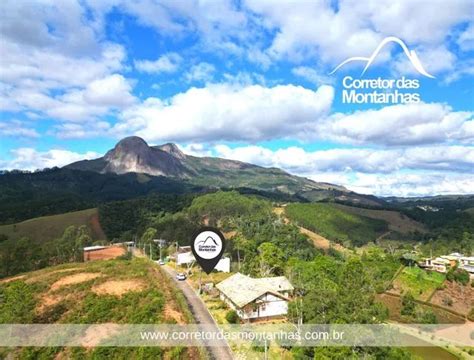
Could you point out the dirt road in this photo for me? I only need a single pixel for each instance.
(201, 314)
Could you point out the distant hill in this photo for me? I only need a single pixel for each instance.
(396, 220)
(133, 155)
(46, 228)
(335, 223)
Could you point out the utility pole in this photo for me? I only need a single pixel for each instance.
(176, 262)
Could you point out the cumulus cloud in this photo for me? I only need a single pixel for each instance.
(408, 184)
(167, 63)
(31, 159)
(354, 28)
(407, 124)
(229, 112)
(365, 160)
(398, 172)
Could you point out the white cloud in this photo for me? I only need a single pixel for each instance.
(167, 63)
(466, 38)
(229, 112)
(17, 128)
(200, 72)
(114, 91)
(408, 124)
(333, 32)
(312, 75)
(31, 159)
(365, 160)
(401, 172)
(408, 184)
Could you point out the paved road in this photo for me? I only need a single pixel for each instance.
(201, 315)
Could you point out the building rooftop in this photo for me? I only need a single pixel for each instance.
(242, 289)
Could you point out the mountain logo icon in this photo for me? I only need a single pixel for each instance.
(410, 54)
(208, 241)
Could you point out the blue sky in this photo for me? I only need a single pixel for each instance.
(247, 80)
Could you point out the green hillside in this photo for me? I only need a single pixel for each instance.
(115, 291)
(46, 228)
(335, 223)
(397, 221)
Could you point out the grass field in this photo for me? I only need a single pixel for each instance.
(115, 291)
(419, 282)
(51, 227)
(335, 223)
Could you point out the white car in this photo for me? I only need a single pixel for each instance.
(180, 276)
(161, 262)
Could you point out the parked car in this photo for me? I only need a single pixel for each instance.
(180, 276)
(161, 262)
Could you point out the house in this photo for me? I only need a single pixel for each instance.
(467, 263)
(223, 265)
(184, 255)
(256, 298)
(438, 264)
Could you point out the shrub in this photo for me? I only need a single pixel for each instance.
(470, 316)
(408, 304)
(232, 317)
(461, 276)
(447, 301)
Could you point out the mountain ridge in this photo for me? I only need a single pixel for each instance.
(133, 155)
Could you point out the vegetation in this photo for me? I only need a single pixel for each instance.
(26, 195)
(419, 282)
(46, 228)
(342, 292)
(23, 301)
(459, 275)
(232, 317)
(124, 219)
(335, 223)
(25, 255)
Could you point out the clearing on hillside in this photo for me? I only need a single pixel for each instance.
(118, 287)
(397, 221)
(107, 292)
(52, 227)
(336, 224)
(419, 282)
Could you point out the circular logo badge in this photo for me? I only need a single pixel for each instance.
(208, 246)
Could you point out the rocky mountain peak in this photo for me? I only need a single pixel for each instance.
(172, 149)
(131, 145)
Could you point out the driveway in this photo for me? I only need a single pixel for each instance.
(201, 314)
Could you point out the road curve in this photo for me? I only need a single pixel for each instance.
(200, 313)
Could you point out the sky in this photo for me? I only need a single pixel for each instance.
(250, 80)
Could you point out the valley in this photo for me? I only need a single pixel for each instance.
(350, 258)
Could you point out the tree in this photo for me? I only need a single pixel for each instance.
(271, 260)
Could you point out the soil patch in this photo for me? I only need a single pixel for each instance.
(118, 287)
(108, 253)
(172, 314)
(74, 279)
(320, 241)
(460, 297)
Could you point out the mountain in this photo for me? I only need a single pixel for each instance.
(134, 155)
